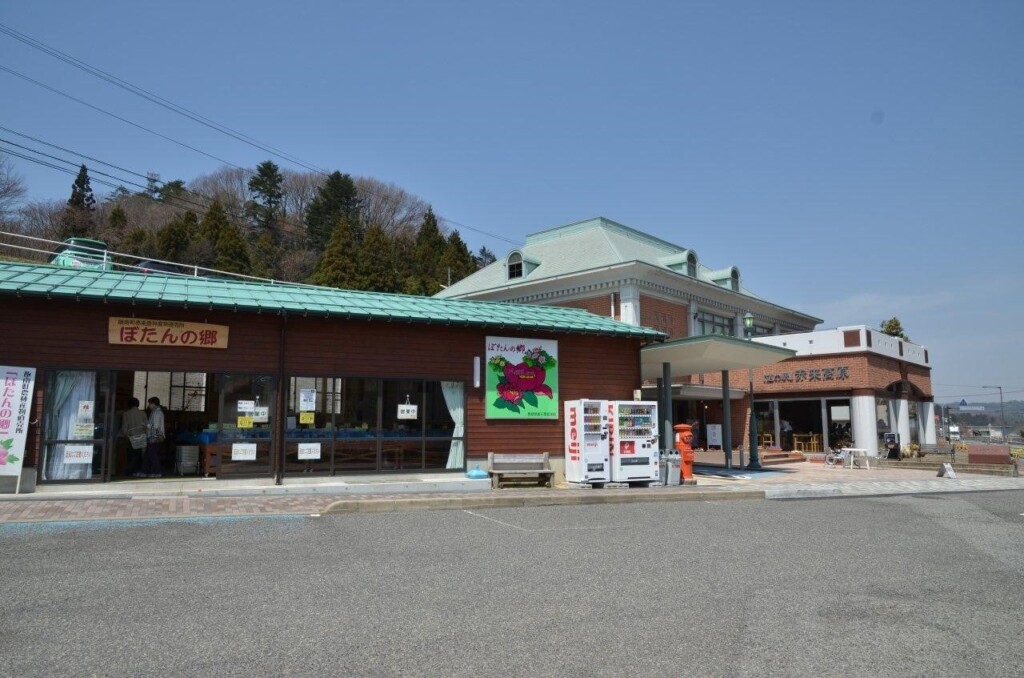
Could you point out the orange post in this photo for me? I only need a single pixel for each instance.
(684, 446)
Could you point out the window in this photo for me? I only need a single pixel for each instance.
(177, 391)
(515, 265)
(709, 323)
(691, 265)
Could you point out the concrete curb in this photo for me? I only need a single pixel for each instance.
(514, 500)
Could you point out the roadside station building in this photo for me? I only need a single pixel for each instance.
(843, 387)
(278, 379)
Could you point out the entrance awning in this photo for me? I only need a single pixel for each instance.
(709, 353)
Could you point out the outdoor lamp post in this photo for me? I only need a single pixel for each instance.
(755, 459)
(1002, 414)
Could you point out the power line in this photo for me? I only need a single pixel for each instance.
(118, 117)
(155, 98)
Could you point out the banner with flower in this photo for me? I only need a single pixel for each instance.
(522, 378)
(16, 384)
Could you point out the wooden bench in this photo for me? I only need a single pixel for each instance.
(502, 466)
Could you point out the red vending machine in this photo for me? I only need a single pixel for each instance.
(586, 442)
(633, 441)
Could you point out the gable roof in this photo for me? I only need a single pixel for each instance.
(48, 282)
(581, 246)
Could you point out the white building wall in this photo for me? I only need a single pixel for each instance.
(926, 416)
(629, 304)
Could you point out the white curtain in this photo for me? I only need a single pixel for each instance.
(69, 389)
(453, 398)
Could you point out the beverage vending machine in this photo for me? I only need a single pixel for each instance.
(586, 442)
(633, 439)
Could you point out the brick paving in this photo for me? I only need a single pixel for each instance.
(789, 481)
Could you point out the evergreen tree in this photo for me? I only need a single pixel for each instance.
(139, 242)
(894, 328)
(457, 262)
(77, 219)
(172, 190)
(337, 198)
(232, 252)
(376, 262)
(267, 189)
(403, 247)
(266, 256)
(484, 257)
(173, 239)
(430, 246)
(117, 226)
(337, 267)
(214, 221)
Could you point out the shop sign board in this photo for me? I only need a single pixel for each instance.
(15, 402)
(839, 373)
(261, 414)
(309, 450)
(243, 452)
(522, 378)
(146, 332)
(307, 400)
(407, 411)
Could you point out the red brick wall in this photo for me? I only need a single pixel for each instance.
(70, 335)
(669, 317)
(601, 305)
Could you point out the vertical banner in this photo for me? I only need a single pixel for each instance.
(522, 378)
(15, 403)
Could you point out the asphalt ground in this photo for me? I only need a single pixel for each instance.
(919, 585)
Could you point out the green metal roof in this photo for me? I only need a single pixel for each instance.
(38, 280)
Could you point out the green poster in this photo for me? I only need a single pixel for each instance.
(522, 378)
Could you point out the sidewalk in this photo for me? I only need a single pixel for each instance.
(306, 496)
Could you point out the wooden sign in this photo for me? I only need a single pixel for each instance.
(143, 332)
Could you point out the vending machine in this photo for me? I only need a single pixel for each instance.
(633, 441)
(586, 442)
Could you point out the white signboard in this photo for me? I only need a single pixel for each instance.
(261, 415)
(309, 450)
(243, 452)
(78, 454)
(82, 430)
(715, 434)
(307, 400)
(408, 411)
(246, 406)
(85, 410)
(15, 402)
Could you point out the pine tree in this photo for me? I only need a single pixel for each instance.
(457, 261)
(173, 239)
(266, 256)
(77, 219)
(376, 262)
(337, 267)
(213, 222)
(337, 198)
(267, 188)
(484, 257)
(430, 246)
(232, 252)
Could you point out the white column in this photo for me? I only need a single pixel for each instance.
(863, 424)
(629, 304)
(902, 411)
(926, 414)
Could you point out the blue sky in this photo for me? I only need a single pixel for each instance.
(855, 160)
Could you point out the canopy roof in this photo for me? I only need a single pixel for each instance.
(709, 353)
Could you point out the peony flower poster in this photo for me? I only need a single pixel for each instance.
(522, 378)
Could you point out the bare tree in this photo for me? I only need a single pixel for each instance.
(230, 185)
(12, 188)
(299, 189)
(389, 206)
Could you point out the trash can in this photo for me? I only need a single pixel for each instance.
(673, 463)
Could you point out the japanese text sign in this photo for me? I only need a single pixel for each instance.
(143, 332)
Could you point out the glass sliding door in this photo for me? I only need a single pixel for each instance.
(78, 426)
(246, 406)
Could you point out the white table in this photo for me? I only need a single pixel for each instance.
(856, 452)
